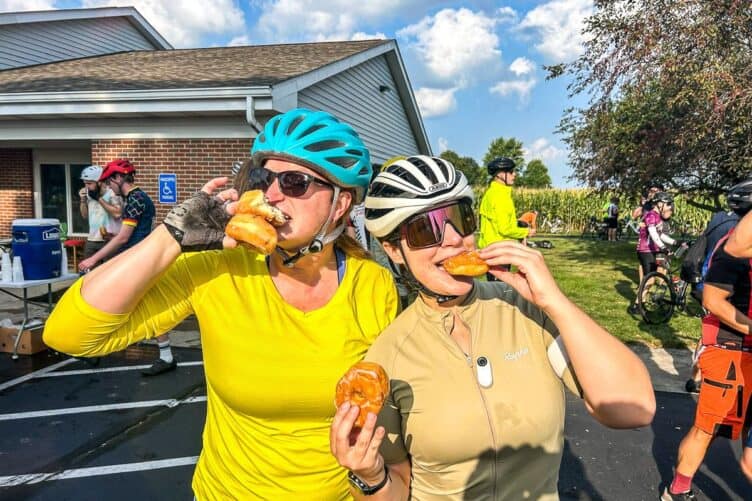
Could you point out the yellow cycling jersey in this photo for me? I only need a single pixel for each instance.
(271, 369)
(498, 218)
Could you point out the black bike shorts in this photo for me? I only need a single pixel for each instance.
(648, 261)
(612, 222)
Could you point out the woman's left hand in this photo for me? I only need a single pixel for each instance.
(532, 280)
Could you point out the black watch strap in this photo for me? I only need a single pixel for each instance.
(363, 487)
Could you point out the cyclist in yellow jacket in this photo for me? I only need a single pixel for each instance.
(498, 217)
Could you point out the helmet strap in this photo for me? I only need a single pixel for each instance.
(320, 240)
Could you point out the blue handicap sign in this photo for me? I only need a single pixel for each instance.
(168, 188)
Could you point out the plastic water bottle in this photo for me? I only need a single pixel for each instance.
(18, 274)
(63, 261)
(6, 271)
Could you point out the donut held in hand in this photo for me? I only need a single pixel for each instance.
(366, 385)
(253, 220)
(468, 264)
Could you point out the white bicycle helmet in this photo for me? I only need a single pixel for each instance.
(91, 173)
(409, 186)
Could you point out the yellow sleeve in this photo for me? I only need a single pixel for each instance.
(77, 328)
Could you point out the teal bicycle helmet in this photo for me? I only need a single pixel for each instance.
(319, 141)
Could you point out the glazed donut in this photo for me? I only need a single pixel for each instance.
(253, 231)
(468, 264)
(253, 220)
(254, 202)
(366, 385)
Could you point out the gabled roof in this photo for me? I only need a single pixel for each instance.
(181, 69)
(130, 13)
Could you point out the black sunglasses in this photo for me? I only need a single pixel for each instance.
(427, 228)
(292, 183)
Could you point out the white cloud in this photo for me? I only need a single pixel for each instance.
(25, 5)
(239, 40)
(558, 27)
(506, 15)
(453, 43)
(520, 87)
(522, 66)
(435, 102)
(367, 36)
(184, 24)
(542, 150)
(443, 144)
(296, 20)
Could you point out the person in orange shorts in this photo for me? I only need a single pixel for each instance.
(725, 363)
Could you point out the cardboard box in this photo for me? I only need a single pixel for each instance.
(31, 340)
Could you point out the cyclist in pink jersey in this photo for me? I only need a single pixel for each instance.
(652, 243)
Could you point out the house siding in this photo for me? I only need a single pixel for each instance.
(44, 42)
(16, 179)
(378, 117)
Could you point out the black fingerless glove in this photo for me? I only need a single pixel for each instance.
(93, 194)
(198, 223)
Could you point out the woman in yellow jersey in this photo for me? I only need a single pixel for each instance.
(477, 369)
(276, 332)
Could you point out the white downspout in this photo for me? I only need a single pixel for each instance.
(250, 114)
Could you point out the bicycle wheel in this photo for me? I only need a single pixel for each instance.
(656, 298)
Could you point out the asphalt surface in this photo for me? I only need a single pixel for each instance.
(68, 435)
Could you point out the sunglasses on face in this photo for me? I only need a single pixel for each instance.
(427, 229)
(292, 183)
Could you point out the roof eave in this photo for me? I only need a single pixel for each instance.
(108, 103)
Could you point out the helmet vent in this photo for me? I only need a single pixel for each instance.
(312, 129)
(425, 170)
(354, 152)
(261, 137)
(294, 124)
(275, 126)
(345, 162)
(405, 175)
(324, 145)
(385, 190)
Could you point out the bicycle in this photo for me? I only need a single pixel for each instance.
(553, 226)
(661, 292)
(629, 226)
(596, 229)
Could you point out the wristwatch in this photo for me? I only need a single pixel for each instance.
(363, 487)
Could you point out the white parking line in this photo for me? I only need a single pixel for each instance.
(111, 369)
(35, 478)
(171, 402)
(32, 375)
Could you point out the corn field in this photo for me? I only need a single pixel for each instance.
(569, 210)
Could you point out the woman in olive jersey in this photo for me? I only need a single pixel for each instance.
(477, 369)
(276, 332)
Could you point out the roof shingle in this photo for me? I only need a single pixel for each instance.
(181, 69)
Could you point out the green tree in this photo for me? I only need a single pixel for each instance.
(670, 88)
(500, 147)
(535, 175)
(475, 174)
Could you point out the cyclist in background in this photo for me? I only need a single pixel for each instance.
(653, 243)
(612, 218)
(498, 216)
(725, 361)
(739, 201)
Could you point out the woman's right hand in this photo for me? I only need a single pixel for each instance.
(357, 450)
(199, 222)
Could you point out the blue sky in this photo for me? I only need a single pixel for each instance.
(475, 66)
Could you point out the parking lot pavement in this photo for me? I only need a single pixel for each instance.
(76, 432)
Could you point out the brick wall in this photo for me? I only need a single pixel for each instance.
(16, 188)
(194, 161)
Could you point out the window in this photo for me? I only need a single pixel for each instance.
(60, 184)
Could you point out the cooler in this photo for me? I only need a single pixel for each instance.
(37, 242)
